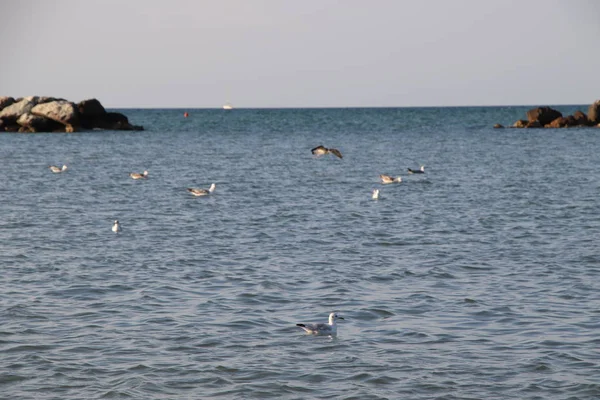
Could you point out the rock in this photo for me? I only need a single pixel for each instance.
(38, 124)
(594, 112)
(46, 99)
(50, 114)
(61, 111)
(520, 124)
(11, 127)
(581, 119)
(25, 129)
(498, 126)
(14, 111)
(114, 121)
(534, 124)
(560, 122)
(6, 101)
(90, 108)
(89, 111)
(33, 99)
(543, 114)
(571, 121)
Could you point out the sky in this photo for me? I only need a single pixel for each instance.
(308, 53)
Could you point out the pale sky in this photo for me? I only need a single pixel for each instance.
(302, 53)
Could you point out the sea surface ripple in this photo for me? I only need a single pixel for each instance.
(476, 280)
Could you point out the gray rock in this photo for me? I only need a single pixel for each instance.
(38, 124)
(34, 99)
(594, 112)
(6, 101)
(14, 111)
(61, 111)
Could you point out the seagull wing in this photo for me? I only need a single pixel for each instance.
(336, 152)
(316, 328)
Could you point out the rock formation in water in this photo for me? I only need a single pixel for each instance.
(546, 117)
(49, 114)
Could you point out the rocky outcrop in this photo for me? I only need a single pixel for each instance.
(49, 114)
(581, 119)
(35, 123)
(594, 113)
(5, 101)
(90, 109)
(546, 117)
(15, 110)
(534, 124)
(521, 123)
(60, 111)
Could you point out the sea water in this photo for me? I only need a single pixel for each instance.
(476, 280)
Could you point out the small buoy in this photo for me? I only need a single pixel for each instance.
(185, 114)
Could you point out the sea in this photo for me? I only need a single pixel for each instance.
(479, 279)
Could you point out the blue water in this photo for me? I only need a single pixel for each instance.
(476, 280)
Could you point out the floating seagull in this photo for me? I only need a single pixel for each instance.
(135, 175)
(56, 169)
(202, 192)
(385, 179)
(375, 195)
(417, 171)
(320, 151)
(116, 228)
(322, 329)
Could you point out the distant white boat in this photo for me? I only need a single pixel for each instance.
(227, 106)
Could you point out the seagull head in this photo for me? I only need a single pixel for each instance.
(333, 317)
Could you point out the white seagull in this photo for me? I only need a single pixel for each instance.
(202, 192)
(375, 194)
(322, 329)
(116, 228)
(56, 169)
(135, 175)
(417, 171)
(385, 179)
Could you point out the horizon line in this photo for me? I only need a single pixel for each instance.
(345, 107)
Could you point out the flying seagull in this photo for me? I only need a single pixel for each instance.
(321, 150)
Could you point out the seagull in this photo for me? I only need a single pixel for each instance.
(202, 192)
(385, 179)
(321, 150)
(116, 228)
(375, 195)
(322, 329)
(135, 175)
(417, 171)
(56, 169)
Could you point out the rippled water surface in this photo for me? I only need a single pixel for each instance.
(476, 280)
